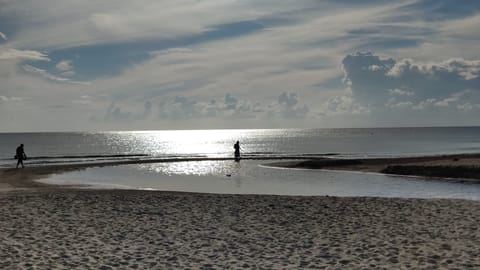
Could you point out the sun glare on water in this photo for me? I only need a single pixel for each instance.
(192, 143)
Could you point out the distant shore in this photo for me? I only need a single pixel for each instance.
(462, 167)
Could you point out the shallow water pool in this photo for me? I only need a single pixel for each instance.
(250, 177)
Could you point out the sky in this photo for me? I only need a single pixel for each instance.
(71, 65)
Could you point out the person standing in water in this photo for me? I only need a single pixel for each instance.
(236, 146)
(20, 155)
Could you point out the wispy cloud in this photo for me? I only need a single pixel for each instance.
(22, 55)
(248, 60)
(83, 23)
(3, 36)
(33, 70)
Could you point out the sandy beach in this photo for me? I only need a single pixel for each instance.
(58, 227)
(72, 229)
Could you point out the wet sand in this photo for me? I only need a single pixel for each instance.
(57, 227)
(463, 167)
(18, 178)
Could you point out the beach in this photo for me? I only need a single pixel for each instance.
(113, 229)
(458, 167)
(60, 227)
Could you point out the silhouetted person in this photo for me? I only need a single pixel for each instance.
(20, 155)
(236, 146)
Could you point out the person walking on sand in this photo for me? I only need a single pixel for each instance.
(20, 155)
(236, 146)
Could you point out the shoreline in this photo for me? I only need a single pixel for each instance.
(457, 167)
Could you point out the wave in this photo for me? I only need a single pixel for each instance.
(89, 156)
(83, 156)
(118, 159)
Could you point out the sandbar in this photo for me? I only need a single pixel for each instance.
(462, 167)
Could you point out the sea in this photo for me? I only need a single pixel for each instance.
(202, 160)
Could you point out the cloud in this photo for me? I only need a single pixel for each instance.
(116, 113)
(43, 73)
(342, 105)
(6, 54)
(64, 65)
(230, 107)
(85, 23)
(400, 92)
(230, 101)
(65, 68)
(263, 54)
(3, 36)
(288, 106)
(408, 83)
(8, 99)
(288, 100)
(435, 10)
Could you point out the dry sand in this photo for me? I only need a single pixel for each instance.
(44, 227)
(74, 229)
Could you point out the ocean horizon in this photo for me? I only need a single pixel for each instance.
(47, 147)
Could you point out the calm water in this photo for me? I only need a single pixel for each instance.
(250, 177)
(54, 147)
(247, 176)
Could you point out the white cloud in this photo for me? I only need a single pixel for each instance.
(468, 69)
(65, 68)
(440, 84)
(7, 99)
(401, 105)
(45, 74)
(425, 104)
(64, 65)
(76, 23)
(374, 68)
(464, 28)
(6, 54)
(3, 36)
(400, 92)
